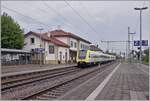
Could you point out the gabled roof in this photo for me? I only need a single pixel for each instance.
(61, 33)
(46, 38)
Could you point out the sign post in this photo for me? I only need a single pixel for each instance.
(139, 44)
(144, 43)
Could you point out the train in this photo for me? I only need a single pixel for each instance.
(90, 57)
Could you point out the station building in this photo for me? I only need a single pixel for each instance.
(75, 42)
(58, 46)
(46, 49)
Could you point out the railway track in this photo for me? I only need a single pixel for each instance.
(57, 91)
(50, 87)
(22, 79)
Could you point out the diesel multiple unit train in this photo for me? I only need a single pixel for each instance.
(88, 57)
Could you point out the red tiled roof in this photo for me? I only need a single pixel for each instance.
(58, 42)
(61, 33)
(46, 38)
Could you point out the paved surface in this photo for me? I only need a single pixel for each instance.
(128, 82)
(83, 90)
(6, 70)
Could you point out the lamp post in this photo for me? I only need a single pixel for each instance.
(140, 9)
(132, 52)
(40, 29)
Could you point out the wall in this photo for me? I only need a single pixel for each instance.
(74, 41)
(86, 45)
(63, 50)
(63, 39)
(68, 40)
(30, 46)
(49, 56)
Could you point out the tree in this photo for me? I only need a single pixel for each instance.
(146, 56)
(11, 33)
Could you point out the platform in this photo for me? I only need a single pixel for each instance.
(124, 82)
(129, 82)
(19, 69)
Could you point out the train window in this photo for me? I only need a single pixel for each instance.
(93, 56)
(82, 54)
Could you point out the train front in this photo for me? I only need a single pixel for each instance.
(82, 58)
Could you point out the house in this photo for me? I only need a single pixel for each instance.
(75, 42)
(46, 49)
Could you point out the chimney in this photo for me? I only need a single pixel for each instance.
(58, 27)
(49, 34)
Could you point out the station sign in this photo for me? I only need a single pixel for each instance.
(39, 50)
(144, 43)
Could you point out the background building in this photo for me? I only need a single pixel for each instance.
(46, 49)
(75, 42)
(95, 48)
(54, 47)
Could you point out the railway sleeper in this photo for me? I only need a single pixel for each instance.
(41, 98)
(57, 91)
(53, 93)
(61, 88)
(50, 96)
(47, 95)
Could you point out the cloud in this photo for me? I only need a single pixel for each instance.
(109, 19)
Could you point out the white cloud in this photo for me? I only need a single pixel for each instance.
(110, 19)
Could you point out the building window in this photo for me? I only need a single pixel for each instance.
(51, 49)
(71, 43)
(32, 40)
(75, 45)
(32, 50)
(87, 47)
(81, 46)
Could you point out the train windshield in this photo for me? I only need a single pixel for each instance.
(82, 54)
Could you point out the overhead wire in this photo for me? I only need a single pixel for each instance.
(28, 17)
(82, 18)
(87, 12)
(46, 12)
(59, 14)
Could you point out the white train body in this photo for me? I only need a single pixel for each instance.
(85, 57)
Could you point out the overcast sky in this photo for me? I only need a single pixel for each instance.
(92, 20)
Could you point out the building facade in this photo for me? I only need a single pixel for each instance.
(75, 42)
(54, 47)
(46, 49)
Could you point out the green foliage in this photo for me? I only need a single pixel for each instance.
(11, 33)
(146, 56)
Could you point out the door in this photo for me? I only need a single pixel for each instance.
(66, 57)
(60, 56)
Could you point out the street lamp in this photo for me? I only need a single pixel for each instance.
(40, 29)
(143, 8)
